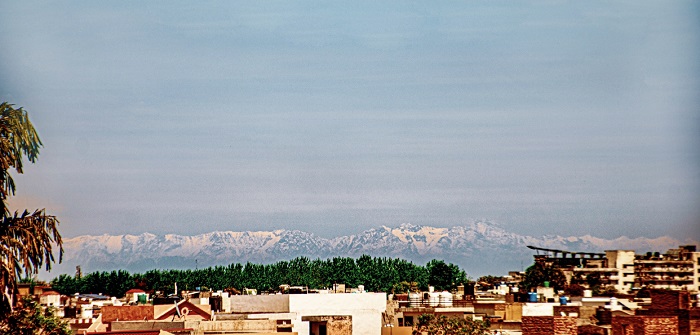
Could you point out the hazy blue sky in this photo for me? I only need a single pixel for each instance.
(576, 117)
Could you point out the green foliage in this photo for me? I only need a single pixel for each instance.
(65, 284)
(445, 276)
(539, 273)
(593, 280)
(442, 325)
(30, 319)
(404, 287)
(18, 139)
(27, 239)
(379, 274)
(607, 291)
(574, 290)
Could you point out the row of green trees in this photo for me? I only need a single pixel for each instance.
(375, 273)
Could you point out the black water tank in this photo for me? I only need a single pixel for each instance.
(215, 303)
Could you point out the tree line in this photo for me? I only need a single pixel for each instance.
(379, 274)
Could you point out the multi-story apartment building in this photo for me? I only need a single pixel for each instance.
(677, 269)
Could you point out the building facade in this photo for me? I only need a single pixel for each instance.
(677, 269)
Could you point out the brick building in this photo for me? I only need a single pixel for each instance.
(673, 304)
(549, 325)
(645, 325)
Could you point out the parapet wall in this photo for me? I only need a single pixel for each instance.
(549, 325)
(251, 304)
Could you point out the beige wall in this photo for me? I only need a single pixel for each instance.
(397, 331)
(514, 312)
(238, 326)
(140, 325)
(246, 304)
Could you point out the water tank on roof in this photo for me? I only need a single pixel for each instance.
(414, 299)
(504, 289)
(469, 289)
(433, 299)
(216, 302)
(532, 297)
(445, 299)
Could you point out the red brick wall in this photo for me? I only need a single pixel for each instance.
(537, 325)
(591, 330)
(683, 317)
(126, 313)
(694, 322)
(627, 325)
(564, 325)
(549, 325)
(661, 325)
(667, 299)
(644, 325)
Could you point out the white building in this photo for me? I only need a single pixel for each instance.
(358, 314)
(50, 298)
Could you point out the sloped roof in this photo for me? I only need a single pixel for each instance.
(186, 308)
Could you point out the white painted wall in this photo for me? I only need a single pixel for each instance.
(546, 292)
(695, 257)
(539, 309)
(623, 261)
(365, 309)
(50, 300)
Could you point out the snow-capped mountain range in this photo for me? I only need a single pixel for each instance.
(479, 248)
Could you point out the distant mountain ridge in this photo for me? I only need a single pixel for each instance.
(479, 247)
